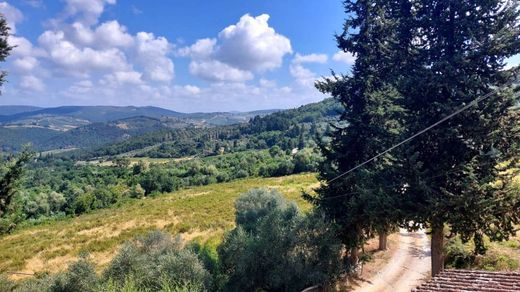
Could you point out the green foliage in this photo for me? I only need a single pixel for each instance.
(5, 48)
(363, 202)
(254, 205)
(80, 276)
(9, 183)
(457, 255)
(276, 248)
(137, 192)
(154, 260)
(416, 63)
(468, 154)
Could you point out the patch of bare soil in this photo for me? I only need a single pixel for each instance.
(407, 265)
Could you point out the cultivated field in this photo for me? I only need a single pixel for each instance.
(200, 213)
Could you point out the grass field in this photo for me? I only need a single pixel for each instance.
(202, 213)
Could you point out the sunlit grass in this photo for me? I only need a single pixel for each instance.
(200, 213)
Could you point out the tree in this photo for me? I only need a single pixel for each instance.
(5, 48)
(362, 202)
(9, 181)
(454, 52)
(276, 248)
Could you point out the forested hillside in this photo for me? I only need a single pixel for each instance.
(90, 127)
(289, 129)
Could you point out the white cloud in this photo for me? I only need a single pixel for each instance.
(81, 87)
(302, 75)
(217, 71)
(252, 44)
(12, 15)
(347, 58)
(267, 83)
(201, 49)
(23, 47)
(79, 61)
(107, 35)
(121, 78)
(152, 55)
(31, 83)
(85, 11)
(312, 58)
(25, 64)
(191, 89)
(249, 46)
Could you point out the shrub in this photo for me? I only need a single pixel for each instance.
(80, 276)
(157, 262)
(256, 204)
(457, 255)
(136, 192)
(276, 248)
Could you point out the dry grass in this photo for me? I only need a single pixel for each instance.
(198, 213)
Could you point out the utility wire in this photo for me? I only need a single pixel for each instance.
(389, 186)
(469, 105)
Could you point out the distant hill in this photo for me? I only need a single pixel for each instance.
(157, 132)
(65, 118)
(94, 114)
(288, 129)
(7, 110)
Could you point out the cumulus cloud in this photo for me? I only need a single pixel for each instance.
(152, 55)
(252, 44)
(84, 11)
(213, 70)
(249, 46)
(312, 58)
(80, 61)
(122, 78)
(191, 89)
(11, 14)
(81, 87)
(302, 75)
(344, 57)
(25, 64)
(201, 49)
(108, 34)
(31, 83)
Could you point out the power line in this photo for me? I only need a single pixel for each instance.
(471, 104)
(389, 186)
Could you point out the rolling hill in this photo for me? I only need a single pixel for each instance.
(123, 129)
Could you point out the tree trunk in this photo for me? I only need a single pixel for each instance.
(354, 257)
(437, 249)
(382, 240)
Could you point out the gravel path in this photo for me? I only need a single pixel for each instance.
(408, 267)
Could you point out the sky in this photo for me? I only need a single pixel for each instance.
(184, 55)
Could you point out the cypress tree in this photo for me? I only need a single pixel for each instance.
(361, 203)
(5, 48)
(454, 52)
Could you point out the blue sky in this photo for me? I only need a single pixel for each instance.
(186, 55)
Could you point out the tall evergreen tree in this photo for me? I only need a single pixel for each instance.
(361, 203)
(5, 48)
(454, 52)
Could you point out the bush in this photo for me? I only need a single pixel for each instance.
(457, 255)
(254, 205)
(136, 192)
(276, 248)
(80, 276)
(157, 262)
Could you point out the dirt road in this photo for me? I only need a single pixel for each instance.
(408, 267)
